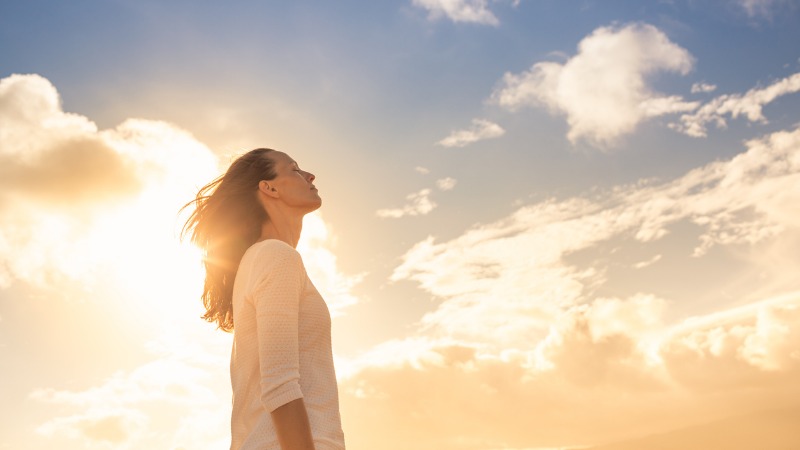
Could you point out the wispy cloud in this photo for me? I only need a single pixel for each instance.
(742, 201)
(446, 184)
(171, 397)
(750, 105)
(703, 87)
(481, 129)
(419, 204)
(648, 262)
(538, 308)
(112, 427)
(603, 89)
(468, 11)
(761, 8)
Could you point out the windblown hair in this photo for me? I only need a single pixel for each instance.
(226, 220)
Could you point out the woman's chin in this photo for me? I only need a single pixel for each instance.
(315, 205)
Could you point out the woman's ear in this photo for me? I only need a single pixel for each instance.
(267, 189)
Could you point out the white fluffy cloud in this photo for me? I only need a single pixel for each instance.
(749, 105)
(469, 11)
(65, 183)
(604, 94)
(603, 89)
(480, 130)
(599, 300)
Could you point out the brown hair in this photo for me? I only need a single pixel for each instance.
(226, 220)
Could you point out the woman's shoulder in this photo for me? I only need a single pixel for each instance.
(273, 250)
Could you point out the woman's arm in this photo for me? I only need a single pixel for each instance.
(277, 304)
(292, 427)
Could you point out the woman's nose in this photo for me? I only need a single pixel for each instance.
(311, 177)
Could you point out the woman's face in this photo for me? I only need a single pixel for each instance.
(294, 186)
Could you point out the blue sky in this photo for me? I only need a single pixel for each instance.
(493, 172)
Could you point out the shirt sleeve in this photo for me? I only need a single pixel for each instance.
(277, 305)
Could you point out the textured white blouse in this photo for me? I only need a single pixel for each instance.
(281, 349)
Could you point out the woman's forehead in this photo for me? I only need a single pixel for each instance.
(282, 158)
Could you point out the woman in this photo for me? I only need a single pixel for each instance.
(248, 223)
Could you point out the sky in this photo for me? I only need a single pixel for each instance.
(545, 224)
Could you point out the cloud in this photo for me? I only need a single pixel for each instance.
(741, 346)
(603, 354)
(649, 262)
(483, 273)
(48, 155)
(174, 397)
(703, 87)
(467, 11)
(446, 184)
(750, 105)
(63, 181)
(760, 8)
(114, 428)
(419, 204)
(321, 264)
(69, 191)
(481, 129)
(603, 89)
(422, 170)
(561, 304)
(99, 224)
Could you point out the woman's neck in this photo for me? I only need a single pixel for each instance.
(286, 230)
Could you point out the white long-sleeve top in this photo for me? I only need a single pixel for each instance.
(281, 349)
